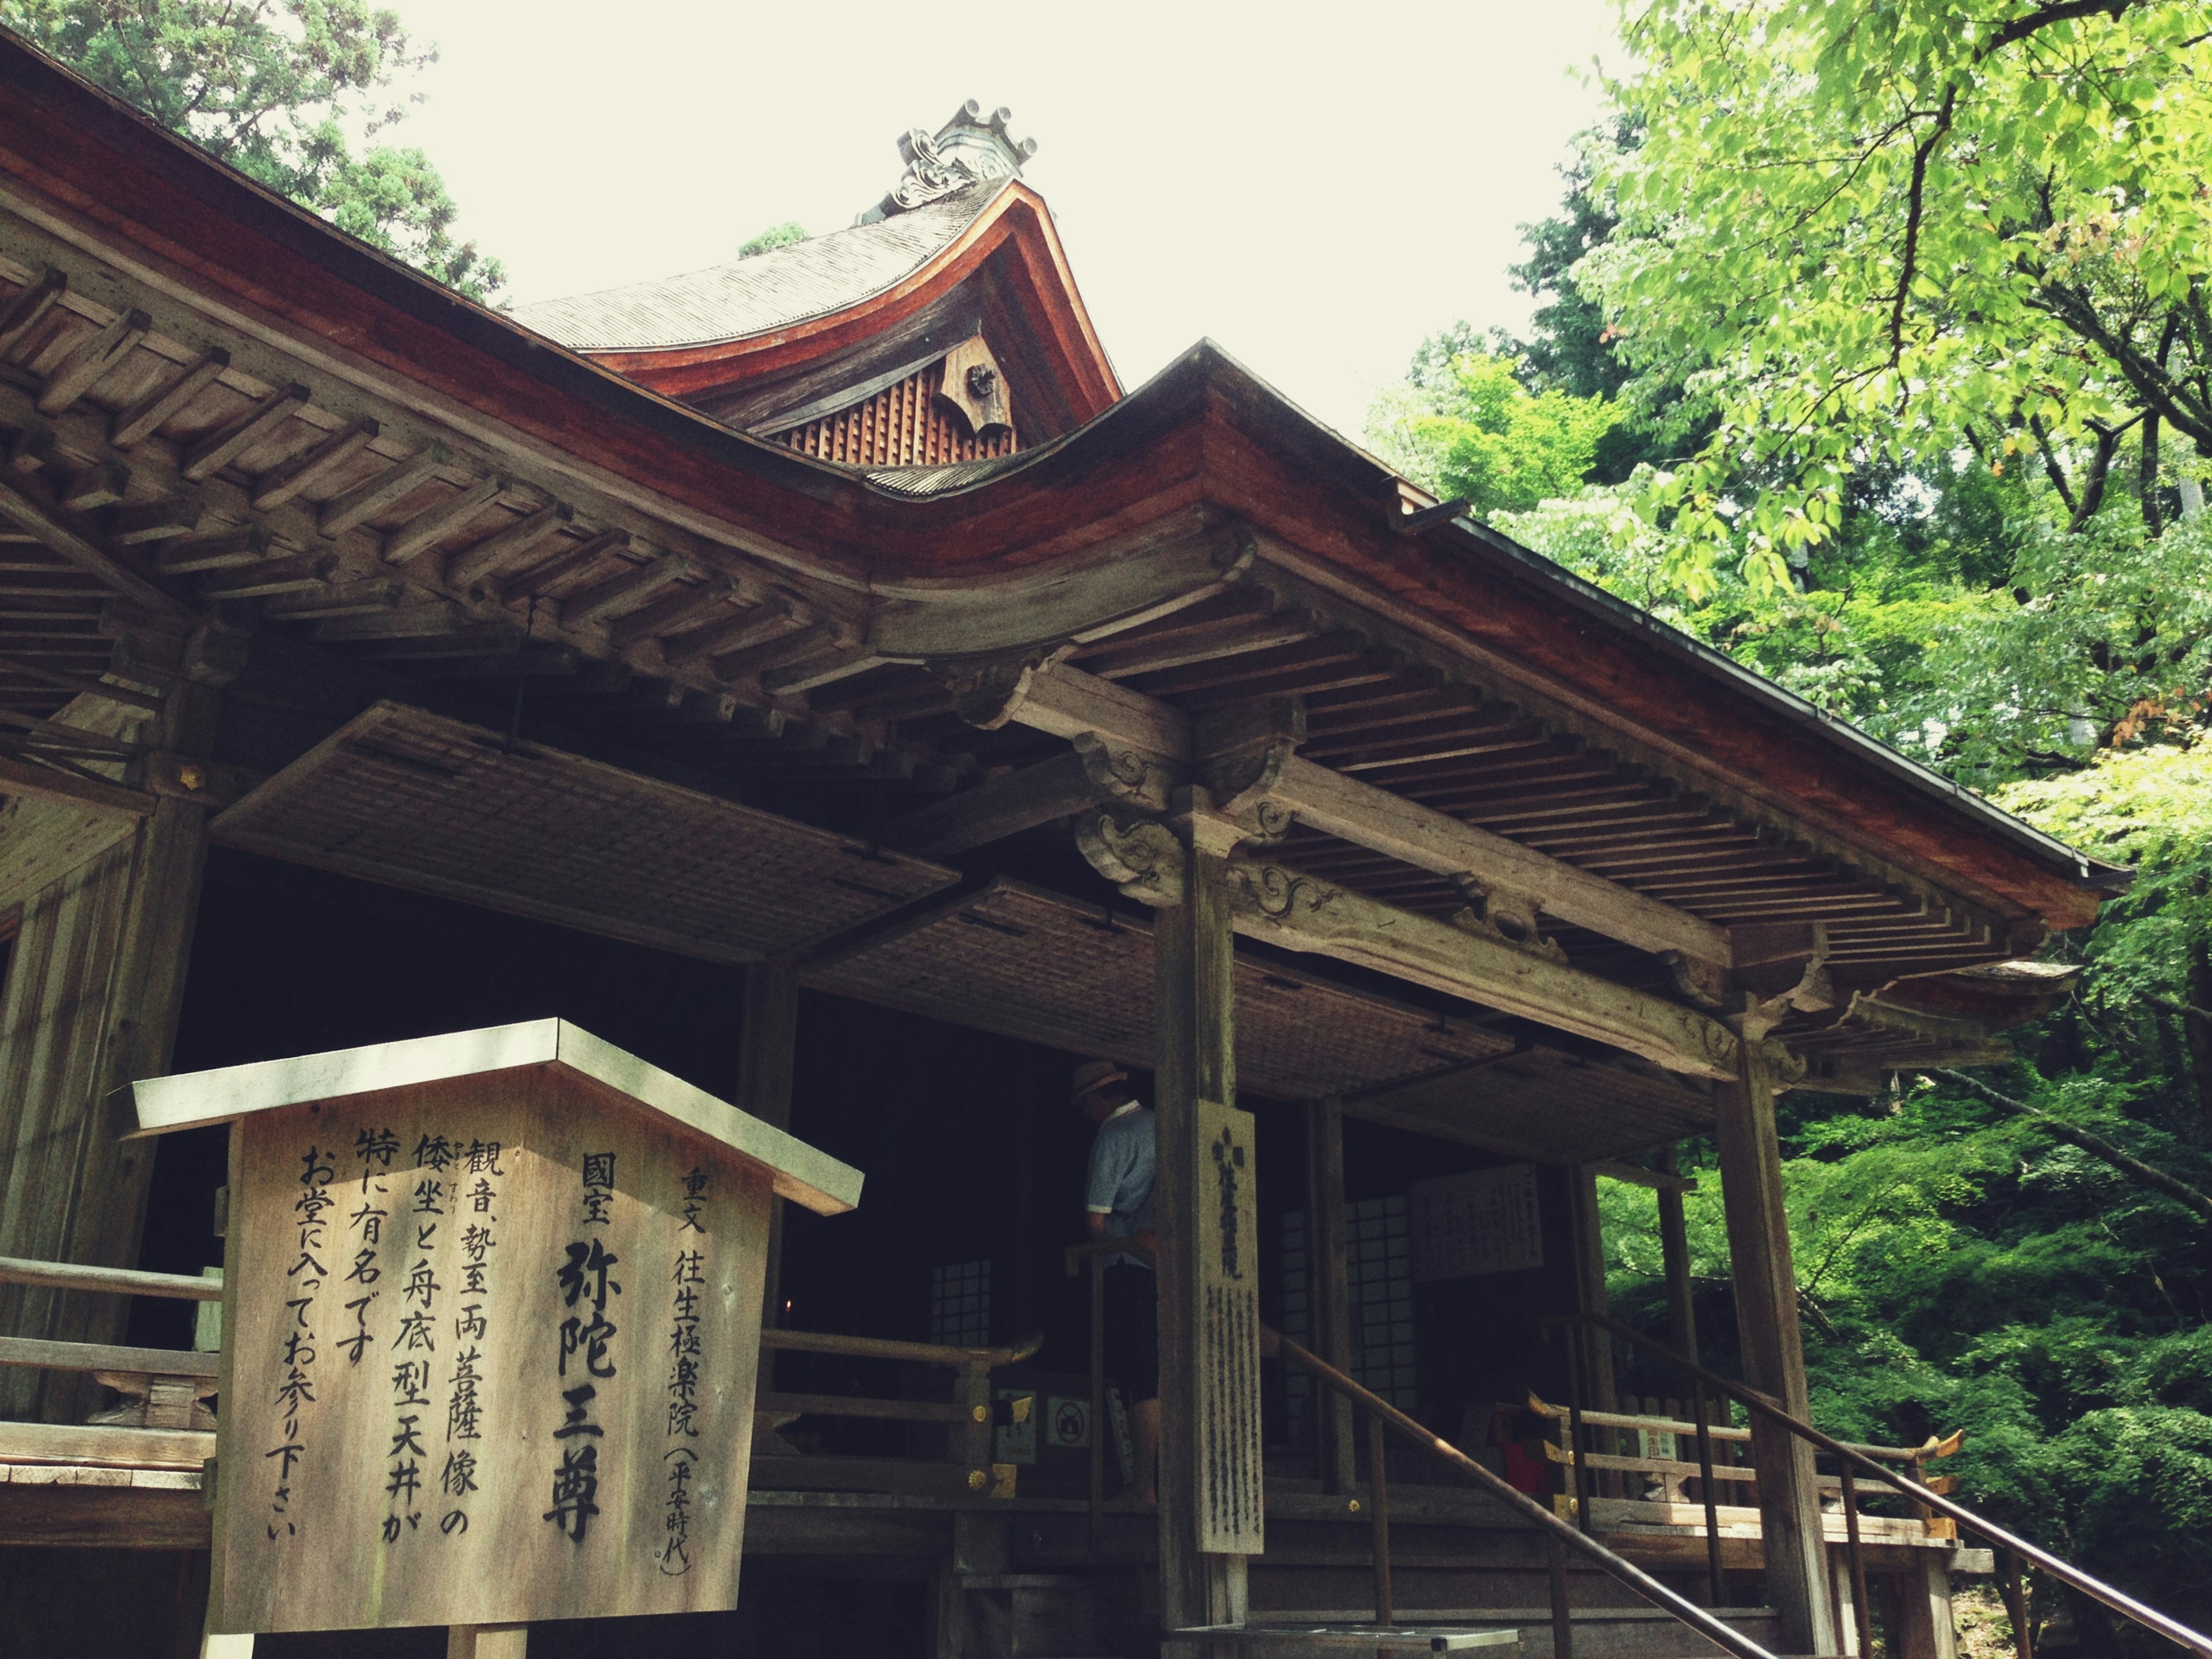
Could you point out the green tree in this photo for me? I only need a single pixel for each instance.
(273, 88)
(1470, 427)
(1872, 236)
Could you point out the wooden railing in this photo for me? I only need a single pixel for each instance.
(967, 1415)
(1716, 1468)
(1855, 1463)
(1559, 1536)
(161, 1387)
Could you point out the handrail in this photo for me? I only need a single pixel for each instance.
(884, 1347)
(1562, 1536)
(2150, 1618)
(123, 1281)
(967, 1416)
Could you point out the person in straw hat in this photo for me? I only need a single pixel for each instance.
(1118, 1204)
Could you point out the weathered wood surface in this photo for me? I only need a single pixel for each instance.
(1302, 913)
(53, 1516)
(99, 1446)
(1231, 1504)
(1375, 818)
(1766, 1282)
(1194, 954)
(54, 1005)
(482, 1412)
(1329, 1292)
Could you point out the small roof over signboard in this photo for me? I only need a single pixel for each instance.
(192, 1100)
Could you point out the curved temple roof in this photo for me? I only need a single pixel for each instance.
(791, 284)
(1201, 544)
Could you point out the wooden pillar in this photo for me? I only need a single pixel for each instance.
(768, 1036)
(1918, 1604)
(144, 995)
(1328, 1293)
(1674, 1257)
(1195, 1075)
(1599, 1392)
(1773, 1354)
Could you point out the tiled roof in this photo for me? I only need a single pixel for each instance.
(769, 290)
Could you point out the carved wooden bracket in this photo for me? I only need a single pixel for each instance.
(1144, 857)
(1509, 917)
(1813, 994)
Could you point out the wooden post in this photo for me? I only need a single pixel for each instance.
(1193, 946)
(768, 1033)
(1674, 1255)
(145, 994)
(1919, 1605)
(1773, 1354)
(1328, 1293)
(1595, 1347)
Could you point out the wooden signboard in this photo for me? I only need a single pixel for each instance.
(1231, 1473)
(491, 1306)
(1484, 1221)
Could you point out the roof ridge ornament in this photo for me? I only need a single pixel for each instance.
(966, 150)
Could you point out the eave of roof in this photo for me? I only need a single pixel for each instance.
(1203, 431)
(1006, 227)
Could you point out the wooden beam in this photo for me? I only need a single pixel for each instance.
(19, 777)
(41, 1355)
(144, 418)
(223, 549)
(287, 479)
(94, 488)
(94, 561)
(78, 687)
(1298, 912)
(631, 587)
(218, 449)
(365, 501)
(434, 524)
(92, 357)
(31, 302)
(1056, 788)
(504, 547)
(1065, 700)
(764, 622)
(1428, 839)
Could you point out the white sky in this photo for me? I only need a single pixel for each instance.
(1315, 191)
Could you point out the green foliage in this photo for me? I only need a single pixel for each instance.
(274, 88)
(1473, 429)
(775, 236)
(1916, 291)
(1872, 236)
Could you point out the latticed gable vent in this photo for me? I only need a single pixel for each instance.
(956, 408)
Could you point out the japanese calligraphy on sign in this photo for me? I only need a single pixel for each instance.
(491, 1351)
(1482, 1222)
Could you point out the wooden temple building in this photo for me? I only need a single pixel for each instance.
(822, 677)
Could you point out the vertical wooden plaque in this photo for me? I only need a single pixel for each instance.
(1226, 1241)
(491, 1359)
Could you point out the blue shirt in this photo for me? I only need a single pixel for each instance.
(1123, 1159)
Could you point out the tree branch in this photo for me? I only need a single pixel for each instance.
(2095, 1146)
(2051, 467)
(1915, 204)
(2043, 16)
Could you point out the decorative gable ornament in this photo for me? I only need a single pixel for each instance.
(491, 1322)
(966, 150)
(972, 383)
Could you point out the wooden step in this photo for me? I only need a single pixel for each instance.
(1364, 1638)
